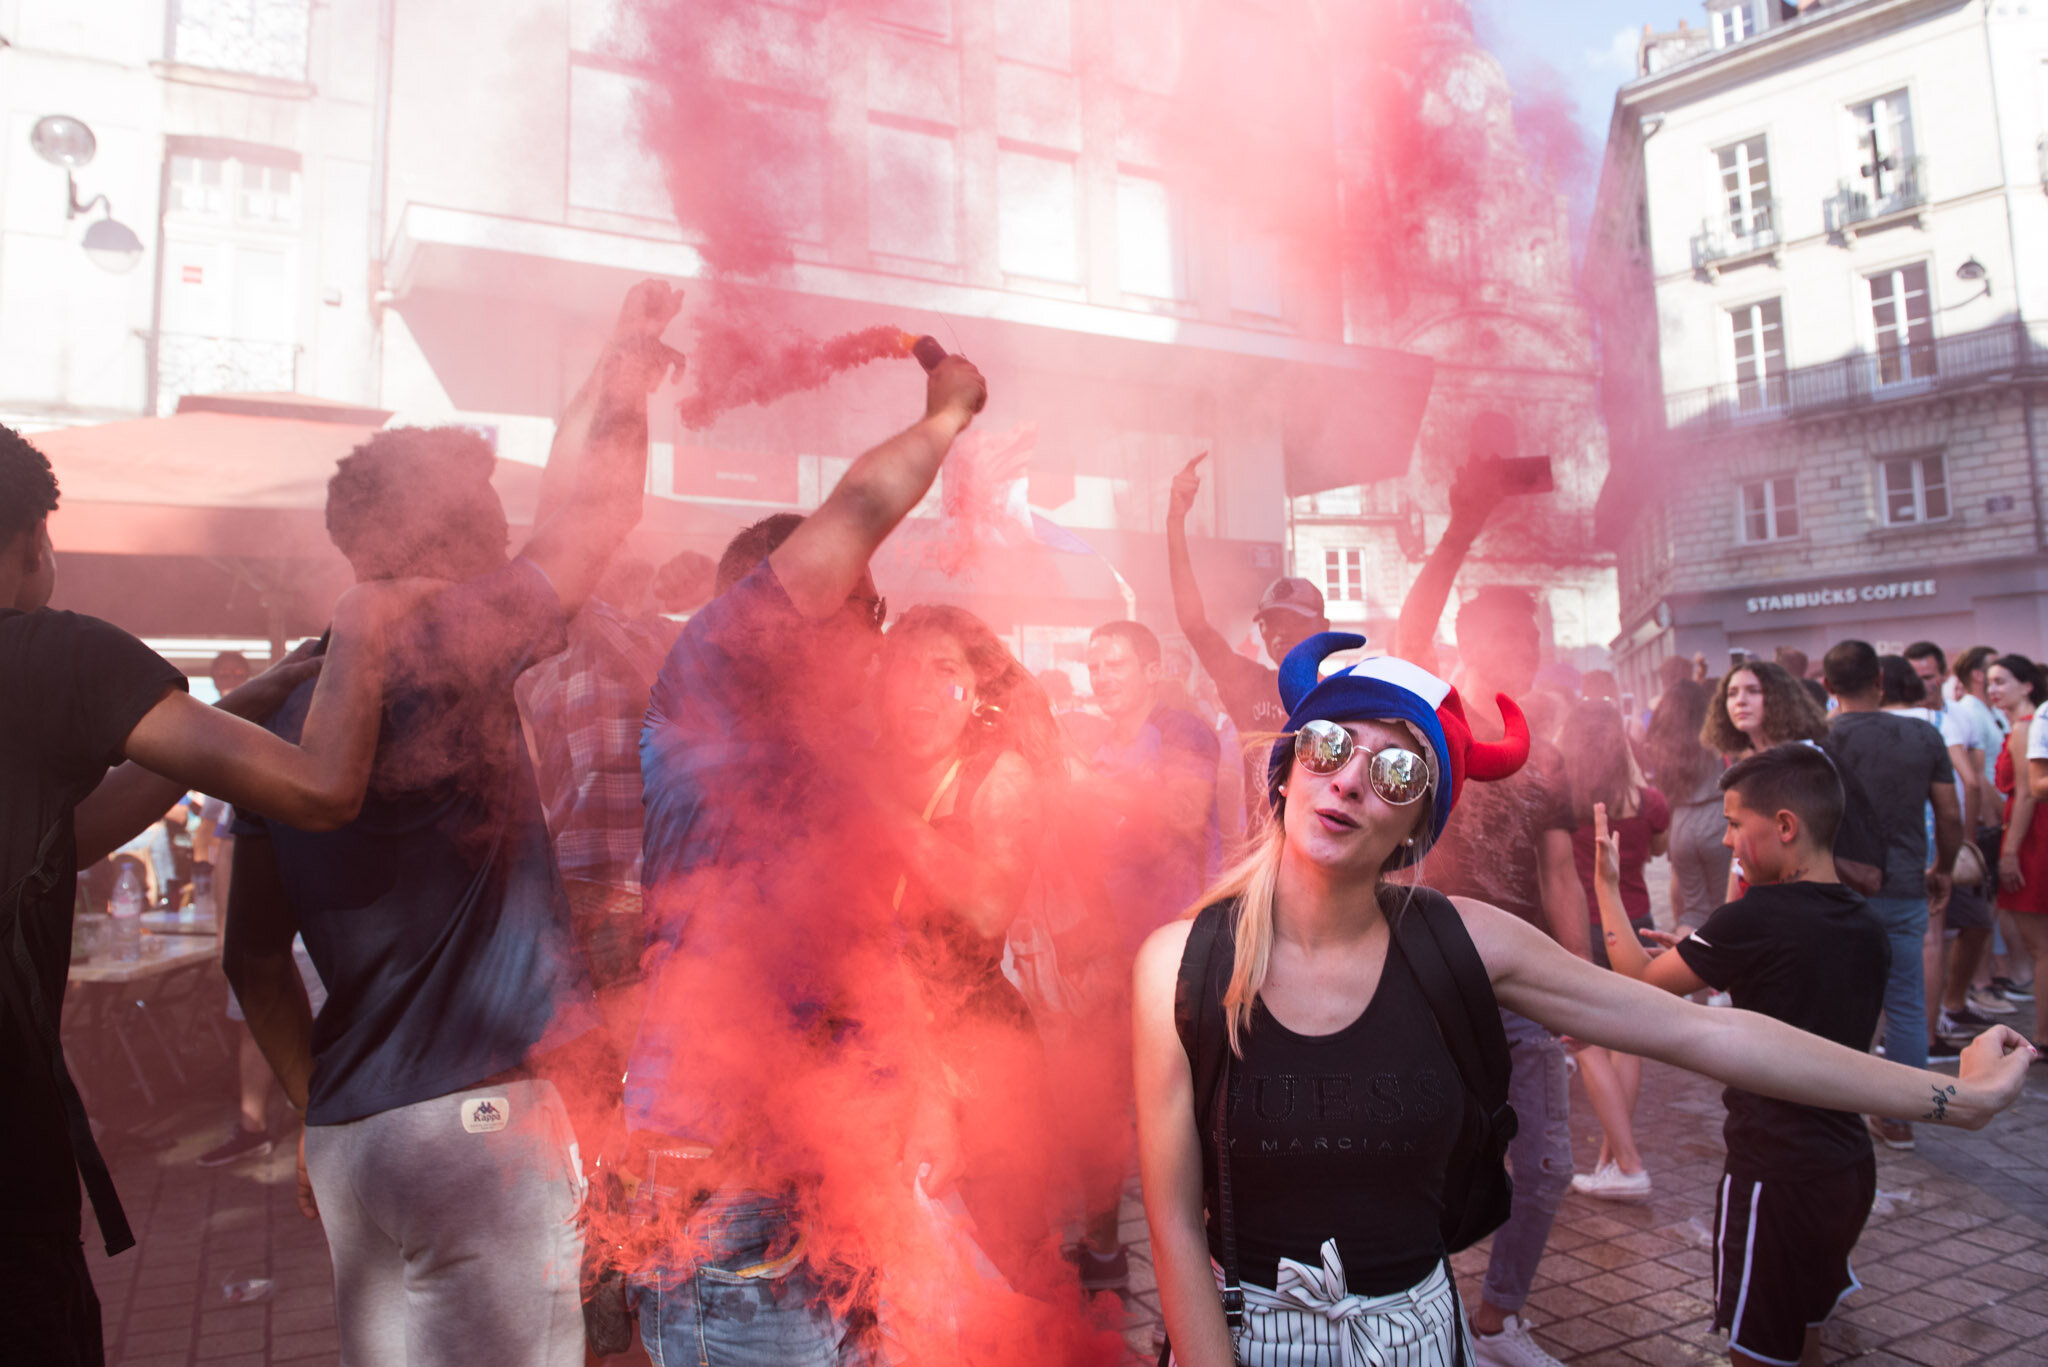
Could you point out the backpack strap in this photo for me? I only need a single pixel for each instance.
(1198, 1018)
(38, 1021)
(1432, 938)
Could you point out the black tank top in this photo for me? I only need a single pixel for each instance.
(1343, 1136)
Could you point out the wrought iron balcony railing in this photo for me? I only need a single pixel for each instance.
(1736, 236)
(187, 364)
(1900, 185)
(2016, 350)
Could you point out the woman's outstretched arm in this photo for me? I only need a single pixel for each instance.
(1170, 1160)
(1533, 977)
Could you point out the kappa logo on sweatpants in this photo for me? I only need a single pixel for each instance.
(486, 1114)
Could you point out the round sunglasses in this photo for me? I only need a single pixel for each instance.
(1399, 776)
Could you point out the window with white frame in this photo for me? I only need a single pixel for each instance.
(1756, 334)
(1038, 215)
(253, 37)
(1884, 142)
(1770, 509)
(242, 191)
(1902, 324)
(1746, 186)
(1913, 489)
(1344, 574)
(1148, 239)
(1735, 23)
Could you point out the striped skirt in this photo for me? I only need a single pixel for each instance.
(1310, 1320)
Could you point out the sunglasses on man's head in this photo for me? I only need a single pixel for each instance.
(1399, 776)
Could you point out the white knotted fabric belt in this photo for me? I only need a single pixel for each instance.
(1311, 1320)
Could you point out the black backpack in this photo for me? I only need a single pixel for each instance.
(1430, 937)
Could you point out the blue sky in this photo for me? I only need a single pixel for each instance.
(1585, 46)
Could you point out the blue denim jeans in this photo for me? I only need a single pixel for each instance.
(1541, 1158)
(1905, 992)
(750, 1300)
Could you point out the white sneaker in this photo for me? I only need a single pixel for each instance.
(1513, 1346)
(1720, 999)
(1609, 1183)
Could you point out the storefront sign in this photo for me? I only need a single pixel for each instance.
(1848, 595)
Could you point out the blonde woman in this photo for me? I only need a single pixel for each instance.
(1341, 1105)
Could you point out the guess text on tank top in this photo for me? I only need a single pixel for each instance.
(1287, 1115)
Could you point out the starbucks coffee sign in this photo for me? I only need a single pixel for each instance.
(1845, 595)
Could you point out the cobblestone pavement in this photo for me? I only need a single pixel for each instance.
(1954, 1264)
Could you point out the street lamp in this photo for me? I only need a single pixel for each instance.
(64, 141)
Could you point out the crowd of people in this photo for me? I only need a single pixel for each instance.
(795, 981)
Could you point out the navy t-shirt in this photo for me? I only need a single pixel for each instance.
(72, 689)
(1812, 955)
(437, 917)
(768, 913)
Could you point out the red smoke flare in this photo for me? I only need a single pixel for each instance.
(734, 366)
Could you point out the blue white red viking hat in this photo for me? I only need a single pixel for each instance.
(1389, 689)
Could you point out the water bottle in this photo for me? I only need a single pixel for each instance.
(127, 909)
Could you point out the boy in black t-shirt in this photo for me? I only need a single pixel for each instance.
(1801, 947)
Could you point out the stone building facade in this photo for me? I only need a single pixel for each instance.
(1821, 333)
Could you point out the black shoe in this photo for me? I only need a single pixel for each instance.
(1943, 1051)
(241, 1144)
(2016, 991)
(1966, 1016)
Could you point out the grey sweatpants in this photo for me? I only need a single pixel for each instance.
(452, 1224)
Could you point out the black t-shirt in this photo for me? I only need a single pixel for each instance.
(1897, 761)
(437, 917)
(72, 688)
(1812, 955)
(1489, 848)
(1251, 695)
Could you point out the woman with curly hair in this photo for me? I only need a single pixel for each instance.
(1759, 704)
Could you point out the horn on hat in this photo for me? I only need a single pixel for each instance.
(1301, 670)
(1488, 760)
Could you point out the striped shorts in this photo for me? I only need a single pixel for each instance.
(1310, 1320)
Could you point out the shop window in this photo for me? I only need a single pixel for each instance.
(1770, 510)
(1344, 575)
(1914, 489)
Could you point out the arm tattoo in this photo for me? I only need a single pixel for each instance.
(1940, 1111)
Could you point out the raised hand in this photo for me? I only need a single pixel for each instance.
(956, 390)
(1476, 491)
(1181, 500)
(1606, 851)
(638, 354)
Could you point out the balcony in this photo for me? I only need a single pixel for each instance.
(2008, 351)
(187, 364)
(1736, 241)
(1904, 193)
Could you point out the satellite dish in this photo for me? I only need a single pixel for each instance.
(63, 141)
